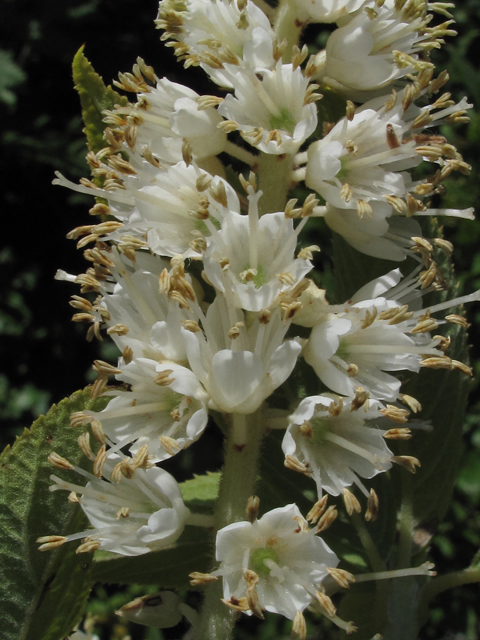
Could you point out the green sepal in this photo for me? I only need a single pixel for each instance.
(95, 97)
(168, 568)
(42, 594)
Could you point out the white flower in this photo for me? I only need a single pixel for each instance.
(356, 347)
(365, 158)
(381, 235)
(336, 442)
(273, 109)
(172, 207)
(354, 163)
(289, 560)
(162, 409)
(254, 257)
(240, 366)
(142, 321)
(377, 46)
(326, 11)
(211, 33)
(141, 513)
(166, 115)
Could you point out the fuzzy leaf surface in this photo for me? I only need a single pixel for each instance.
(95, 97)
(42, 595)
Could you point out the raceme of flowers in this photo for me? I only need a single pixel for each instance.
(203, 285)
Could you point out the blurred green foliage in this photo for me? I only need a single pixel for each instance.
(44, 356)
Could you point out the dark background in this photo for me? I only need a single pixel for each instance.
(43, 355)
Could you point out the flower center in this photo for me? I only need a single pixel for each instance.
(257, 560)
(321, 428)
(283, 120)
(258, 278)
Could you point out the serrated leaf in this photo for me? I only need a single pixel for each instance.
(442, 393)
(95, 97)
(42, 595)
(203, 489)
(168, 568)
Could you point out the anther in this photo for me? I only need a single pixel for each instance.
(372, 507)
(341, 577)
(50, 542)
(253, 505)
(327, 519)
(351, 502)
(326, 603)
(407, 462)
(317, 510)
(198, 579)
(59, 462)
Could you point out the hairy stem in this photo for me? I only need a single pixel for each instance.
(236, 486)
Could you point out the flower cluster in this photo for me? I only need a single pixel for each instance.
(193, 345)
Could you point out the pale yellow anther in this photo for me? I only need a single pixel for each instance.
(84, 444)
(407, 462)
(396, 414)
(299, 628)
(335, 408)
(400, 433)
(341, 577)
(369, 317)
(164, 378)
(198, 579)
(372, 507)
(306, 429)
(170, 445)
(88, 547)
(123, 512)
(327, 519)
(318, 509)
(99, 462)
(351, 502)
(50, 542)
(295, 465)
(59, 462)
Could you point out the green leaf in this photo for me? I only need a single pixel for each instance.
(168, 568)
(95, 97)
(201, 491)
(443, 395)
(42, 595)
(12, 75)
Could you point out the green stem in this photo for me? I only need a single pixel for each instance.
(274, 179)
(288, 27)
(237, 484)
(368, 544)
(406, 523)
(449, 581)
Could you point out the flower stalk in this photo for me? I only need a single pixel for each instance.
(237, 484)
